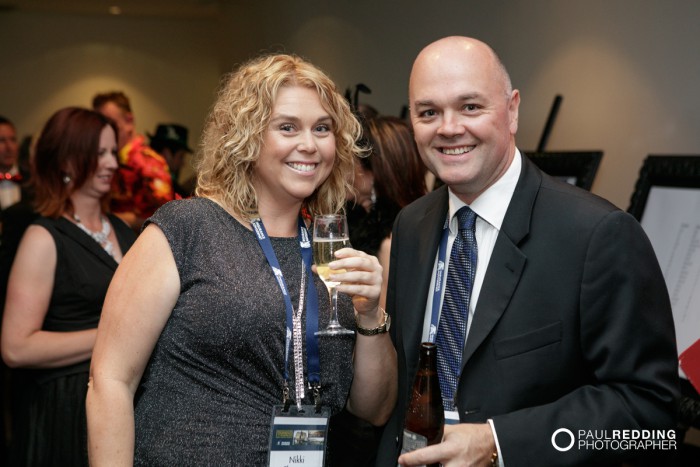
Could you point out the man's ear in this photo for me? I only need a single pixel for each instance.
(129, 117)
(513, 109)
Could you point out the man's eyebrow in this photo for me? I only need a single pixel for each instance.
(424, 103)
(463, 97)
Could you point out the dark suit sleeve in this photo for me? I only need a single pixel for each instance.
(628, 344)
(409, 277)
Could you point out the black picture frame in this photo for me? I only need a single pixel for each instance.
(669, 171)
(663, 170)
(576, 167)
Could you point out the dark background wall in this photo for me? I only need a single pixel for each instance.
(627, 69)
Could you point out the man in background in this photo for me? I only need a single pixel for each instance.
(143, 182)
(10, 176)
(16, 211)
(170, 140)
(16, 214)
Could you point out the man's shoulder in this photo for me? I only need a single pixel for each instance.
(436, 199)
(421, 213)
(567, 197)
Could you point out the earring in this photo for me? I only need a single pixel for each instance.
(66, 179)
(373, 196)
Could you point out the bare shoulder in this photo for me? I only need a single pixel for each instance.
(151, 245)
(36, 247)
(38, 236)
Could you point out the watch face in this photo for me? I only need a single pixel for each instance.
(385, 326)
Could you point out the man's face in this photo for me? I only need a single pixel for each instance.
(463, 117)
(8, 147)
(123, 119)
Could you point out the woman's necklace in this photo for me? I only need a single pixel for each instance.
(100, 237)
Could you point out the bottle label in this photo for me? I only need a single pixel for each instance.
(413, 441)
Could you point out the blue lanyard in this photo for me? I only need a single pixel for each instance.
(440, 272)
(313, 362)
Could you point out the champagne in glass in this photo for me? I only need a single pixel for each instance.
(323, 254)
(330, 235)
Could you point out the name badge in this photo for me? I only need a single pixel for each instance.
(298, 437)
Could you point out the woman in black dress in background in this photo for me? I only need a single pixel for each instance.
(58, 282)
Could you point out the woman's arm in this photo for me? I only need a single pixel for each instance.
(139, 301)
(374, 386)
(29, 290)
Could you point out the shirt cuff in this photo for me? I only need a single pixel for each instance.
(495, 439)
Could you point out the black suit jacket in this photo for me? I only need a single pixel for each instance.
(572, 328)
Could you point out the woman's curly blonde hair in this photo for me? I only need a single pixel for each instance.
(234, 132)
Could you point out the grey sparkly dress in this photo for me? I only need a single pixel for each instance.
(207, 393)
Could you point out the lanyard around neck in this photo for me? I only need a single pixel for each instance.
(440, 274)
(313, 362)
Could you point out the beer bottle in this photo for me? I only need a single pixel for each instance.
(425, 418)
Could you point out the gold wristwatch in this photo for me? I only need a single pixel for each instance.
(381, 329)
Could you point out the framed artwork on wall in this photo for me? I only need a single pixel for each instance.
(666, 201)
(575, 167)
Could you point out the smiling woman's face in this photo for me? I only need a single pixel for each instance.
(298, 148)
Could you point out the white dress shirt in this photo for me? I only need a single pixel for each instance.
(490, 208)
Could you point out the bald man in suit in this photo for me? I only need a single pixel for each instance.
(569, 323)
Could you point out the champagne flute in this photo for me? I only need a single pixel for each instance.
(330, 235)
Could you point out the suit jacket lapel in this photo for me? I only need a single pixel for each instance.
(417, 272)
(507, 261)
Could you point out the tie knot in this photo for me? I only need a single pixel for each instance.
(466, 218)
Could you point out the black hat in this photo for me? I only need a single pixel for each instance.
(171, 135)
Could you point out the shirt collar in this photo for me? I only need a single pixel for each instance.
(492, 204)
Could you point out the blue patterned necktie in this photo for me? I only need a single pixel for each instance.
(452, 327)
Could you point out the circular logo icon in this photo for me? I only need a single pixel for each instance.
(554, 440)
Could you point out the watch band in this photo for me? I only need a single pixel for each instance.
(381, 329)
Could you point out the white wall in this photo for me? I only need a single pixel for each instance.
(168, 68)
(627, 69)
